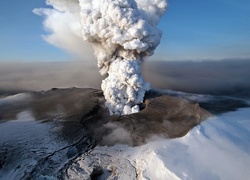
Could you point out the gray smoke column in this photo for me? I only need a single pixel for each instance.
(122, 33)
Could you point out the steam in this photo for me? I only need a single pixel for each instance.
(123, 33)
(62, 22)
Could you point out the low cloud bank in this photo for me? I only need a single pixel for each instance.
(224, 77)
(47, 75)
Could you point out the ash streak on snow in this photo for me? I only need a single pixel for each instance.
(122, 33)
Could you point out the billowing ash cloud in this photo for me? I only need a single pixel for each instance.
(62, 22)
(122, 33)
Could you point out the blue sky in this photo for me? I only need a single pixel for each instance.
(20, 33)
(192, 30)
(213, 29)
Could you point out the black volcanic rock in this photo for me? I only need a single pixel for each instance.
(97, 171)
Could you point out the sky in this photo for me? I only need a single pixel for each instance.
(192, 30)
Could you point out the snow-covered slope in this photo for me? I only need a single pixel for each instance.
(219, 148)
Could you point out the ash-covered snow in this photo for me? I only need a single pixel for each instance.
(15, 98)
(218, 148)
(23, 142)
(31, 149)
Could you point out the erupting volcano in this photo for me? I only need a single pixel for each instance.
(122, 33)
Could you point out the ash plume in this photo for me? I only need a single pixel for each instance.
(62, 24)
(122, 33)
